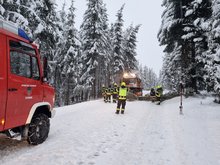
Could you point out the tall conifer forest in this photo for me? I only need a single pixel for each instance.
(82, 60)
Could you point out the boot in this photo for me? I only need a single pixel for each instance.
(117, 112)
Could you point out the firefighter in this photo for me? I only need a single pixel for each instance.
(103, 92)
(115, 93)
(159, 92)
(122, 98)
(152, 94)
(108, 92)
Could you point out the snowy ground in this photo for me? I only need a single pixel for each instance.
(147, 134)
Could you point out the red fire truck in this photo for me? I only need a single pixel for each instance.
(26, 99)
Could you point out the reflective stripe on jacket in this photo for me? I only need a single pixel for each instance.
(158, 94)
(115, 91)
(108, 91)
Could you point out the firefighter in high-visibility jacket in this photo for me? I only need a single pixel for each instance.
(108, 94)
(104, 92)
(159, 92)
(122, 98)
(115, 93)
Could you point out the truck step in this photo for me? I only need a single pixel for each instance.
(14, 135)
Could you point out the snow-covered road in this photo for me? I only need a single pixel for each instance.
(91, 133)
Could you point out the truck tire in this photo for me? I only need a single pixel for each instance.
(38, 129)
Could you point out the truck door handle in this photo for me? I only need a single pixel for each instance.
(12, 89)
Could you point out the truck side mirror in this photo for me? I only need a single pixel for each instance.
(45, 69)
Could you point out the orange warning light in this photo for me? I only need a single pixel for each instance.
(3, 121)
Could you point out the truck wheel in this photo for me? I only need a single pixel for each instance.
(38, 129)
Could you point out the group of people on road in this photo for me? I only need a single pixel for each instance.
(108, 92)
(118, 95)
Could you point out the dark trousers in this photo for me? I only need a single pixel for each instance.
(121, 104)
(159, 99)
(114, 96)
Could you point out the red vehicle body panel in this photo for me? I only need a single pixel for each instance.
(18, 94)
(3, 79)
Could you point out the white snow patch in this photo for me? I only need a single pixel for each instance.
(188, 12)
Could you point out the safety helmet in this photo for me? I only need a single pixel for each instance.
(158, 86)
(123, 84)
(115, 84)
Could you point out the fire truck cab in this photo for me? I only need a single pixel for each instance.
(133, 82)
(26, 99)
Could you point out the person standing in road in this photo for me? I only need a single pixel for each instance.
(104, 92)
(115, 93)
(122, 98)
(152, 95)
(159, 93)
(108, 94)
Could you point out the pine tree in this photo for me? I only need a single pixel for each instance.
(56, 79)
(95, 40)
(118, 65)
(184, 32)
(129, 48)
(2, 9)
(170, 34)
(48, 33)
(110, 71)
(71, 59)
(148, 77)
(171, 68)
(13, 11)
(195, 38)
(213, 55)
(67, 57)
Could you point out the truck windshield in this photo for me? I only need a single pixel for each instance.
(22, 46)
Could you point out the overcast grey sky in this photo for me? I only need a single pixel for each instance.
(146, 13)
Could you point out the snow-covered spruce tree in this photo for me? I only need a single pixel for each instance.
(67, 57)
(104, 77)
(190, 41)
(152, 79)
(2, 9)
(39, 19)
(110, 66)
(148, 77)
(30, 15)
(58, 57)
(118, 58)
(169, 35)
(94, 35)
(14, 11)
(70, 63)
(129, 48)
(47, 34)
(28, 9)
(213, 55)
(196, 25)
(171, 69)
(160, 80)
